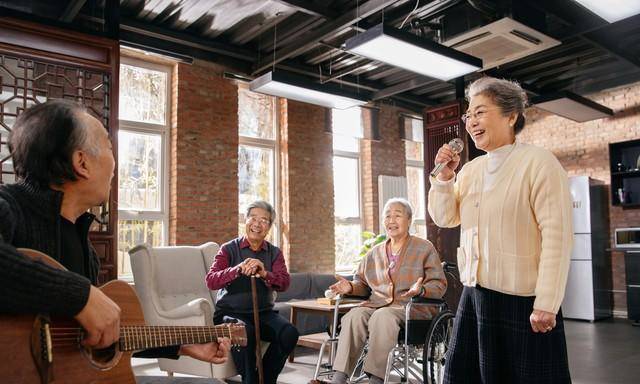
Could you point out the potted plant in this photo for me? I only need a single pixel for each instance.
(370, 241)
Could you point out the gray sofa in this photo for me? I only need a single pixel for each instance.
(305, 286)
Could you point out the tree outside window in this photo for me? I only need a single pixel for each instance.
(347, 131)
(257, 154)
(142, 158)
(414, 147)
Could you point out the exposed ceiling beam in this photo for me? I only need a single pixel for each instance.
(289, 31)
(237, 58)
(542, 59)
(610, 81)
(502, 74)
(425, 10)
(396, 18)
(383, 71)
(560, 74)
(606, 42)
(210, 45)
(596, 30)
(590, 78)
(416, 82)
(310, 8)
(328, 29)
(561, 64)
(71, 11)
(356, 83)
(343, 72)
(112, 19)
(248, 33)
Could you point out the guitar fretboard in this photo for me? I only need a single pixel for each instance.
(141, 337)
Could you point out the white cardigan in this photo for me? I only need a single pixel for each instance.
(516, 237)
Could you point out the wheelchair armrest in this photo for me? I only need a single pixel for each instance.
(355, 297)
(449, 266)
(426, 300)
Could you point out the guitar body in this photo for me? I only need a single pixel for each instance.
(70, 364)
(39, 350)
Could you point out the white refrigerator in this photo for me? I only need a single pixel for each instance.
(588, 293)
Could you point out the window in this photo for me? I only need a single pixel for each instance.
(142, 158)
(257, 153)
(414, 146)
(347, 130)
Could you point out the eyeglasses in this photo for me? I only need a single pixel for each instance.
(477, 114)
(389, 218)
(255, 219)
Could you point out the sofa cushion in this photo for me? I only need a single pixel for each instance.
(299, 288)
(320, 282)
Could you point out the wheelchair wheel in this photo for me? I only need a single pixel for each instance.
(436, 346)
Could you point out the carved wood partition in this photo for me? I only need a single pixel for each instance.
(38, 63)
(441, 124)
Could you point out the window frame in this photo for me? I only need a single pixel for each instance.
(272, 144)
(419, 164)
(164, 131)
(351, 220)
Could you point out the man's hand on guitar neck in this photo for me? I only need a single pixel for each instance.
(216, 353)
(100, 319)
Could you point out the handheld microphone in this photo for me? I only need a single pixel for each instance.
(456, 146)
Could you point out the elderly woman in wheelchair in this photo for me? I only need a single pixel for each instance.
(389, 275)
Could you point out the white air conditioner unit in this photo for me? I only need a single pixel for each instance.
(501, 42)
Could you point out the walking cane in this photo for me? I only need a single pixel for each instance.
(256, 324)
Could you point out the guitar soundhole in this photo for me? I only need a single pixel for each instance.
(103, 359)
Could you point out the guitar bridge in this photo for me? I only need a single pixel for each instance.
(42, 348)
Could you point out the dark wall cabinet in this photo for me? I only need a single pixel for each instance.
(625, 173)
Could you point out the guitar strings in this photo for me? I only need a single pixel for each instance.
(142, 336)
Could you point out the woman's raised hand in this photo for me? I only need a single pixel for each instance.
(342, 287)
(448, 156)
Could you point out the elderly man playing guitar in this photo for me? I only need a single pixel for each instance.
(64, 164)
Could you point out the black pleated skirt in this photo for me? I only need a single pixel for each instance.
(493, 342)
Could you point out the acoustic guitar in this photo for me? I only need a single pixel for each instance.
(40, 349)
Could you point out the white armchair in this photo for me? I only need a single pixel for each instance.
(171, 288)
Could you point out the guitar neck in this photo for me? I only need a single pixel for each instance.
(142, 337)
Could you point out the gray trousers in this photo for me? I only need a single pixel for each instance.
(380, 325)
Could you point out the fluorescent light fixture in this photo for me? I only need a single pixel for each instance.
(612, 10)
(287, 85)
(572, 106)
(408, 51)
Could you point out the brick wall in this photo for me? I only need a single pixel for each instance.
(583, 150)
(204, 152)
(306, 188)
(204, 168)
(383, 157)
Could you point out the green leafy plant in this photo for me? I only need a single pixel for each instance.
(370, 241)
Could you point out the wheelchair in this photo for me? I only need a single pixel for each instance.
(421, 349)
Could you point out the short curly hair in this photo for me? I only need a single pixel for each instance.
(508, 96)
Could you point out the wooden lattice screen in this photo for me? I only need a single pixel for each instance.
(39, 63)
(441, 124)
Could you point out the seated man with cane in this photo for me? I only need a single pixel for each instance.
(237, 262)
